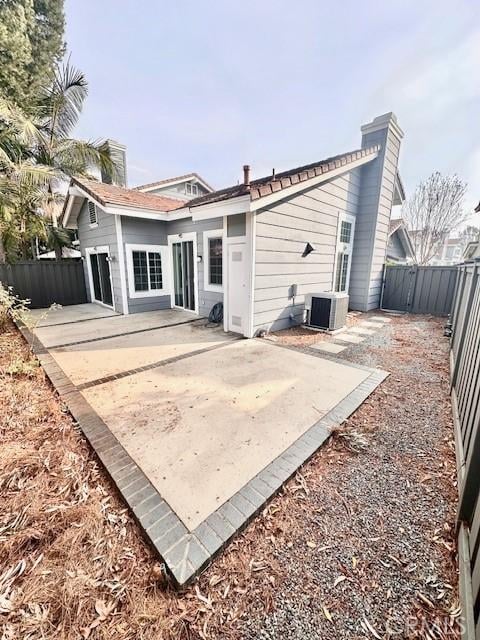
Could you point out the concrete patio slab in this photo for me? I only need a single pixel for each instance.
(329, 347)
(91, 361)
(62, 335)
(379, 319)
(67, 315)
(201, 428)
(205, 428)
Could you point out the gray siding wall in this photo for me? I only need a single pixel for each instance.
(395, 249)
(102, 235)
(374, 210)
(282, 231)
(206, 299)
(138, 231)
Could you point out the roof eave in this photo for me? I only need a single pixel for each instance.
(281, 194)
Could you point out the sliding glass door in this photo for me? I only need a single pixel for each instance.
(184, 274)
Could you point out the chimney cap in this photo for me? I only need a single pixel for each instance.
(385, 121)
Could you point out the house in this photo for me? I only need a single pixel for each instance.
(182, 188)
(258, 246)
(450, 252)
(400, 249)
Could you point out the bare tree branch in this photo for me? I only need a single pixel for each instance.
(433, 212)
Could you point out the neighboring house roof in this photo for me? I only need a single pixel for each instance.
(472, 250)
(111, 194)
(172, 181)
(394, 225)
(399, 191)
(398, 226)
(270, 184)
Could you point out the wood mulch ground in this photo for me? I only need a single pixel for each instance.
(360, 544)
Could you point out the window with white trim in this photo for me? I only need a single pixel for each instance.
(146, 266)
(342, 271)
(92, 213)
(191, 189)
(344, 252)
(213, 260)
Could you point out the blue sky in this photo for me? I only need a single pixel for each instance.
(209, 86)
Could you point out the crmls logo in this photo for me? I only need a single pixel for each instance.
(419, 627)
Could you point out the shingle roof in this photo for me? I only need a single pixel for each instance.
(112, 194)
(159, 183)
(267, 185)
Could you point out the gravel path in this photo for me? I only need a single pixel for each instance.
(376, 555)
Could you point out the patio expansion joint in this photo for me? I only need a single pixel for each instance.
(123, 333)
(61, 324)
(154, 365)
(186, 553)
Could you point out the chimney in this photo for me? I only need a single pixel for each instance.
(246, 174)
(118, 154)
(376, 198)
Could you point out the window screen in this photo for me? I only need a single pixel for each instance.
(140, 273)
(215, 254)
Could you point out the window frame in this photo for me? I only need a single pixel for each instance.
(148, 248)
(216, 234)
(344, 248)
(193, 189)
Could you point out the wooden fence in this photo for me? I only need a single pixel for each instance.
(414, 289)
(465, 380)
(46, 281)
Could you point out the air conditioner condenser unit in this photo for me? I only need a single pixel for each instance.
(326, 310)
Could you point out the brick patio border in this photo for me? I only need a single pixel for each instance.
(186, 553)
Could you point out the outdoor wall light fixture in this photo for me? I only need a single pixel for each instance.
(110, 258)
(199, 258)
(308, 249)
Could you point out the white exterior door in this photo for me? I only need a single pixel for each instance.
(237, 305)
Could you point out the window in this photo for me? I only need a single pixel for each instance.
(146, 270)
(155, 269)
(345, 231)
(191, 189)
(92, 213)
(344, 252)
(342, 271)
(213, 258)
(215, 261)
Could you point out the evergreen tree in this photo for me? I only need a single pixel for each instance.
(31, 46)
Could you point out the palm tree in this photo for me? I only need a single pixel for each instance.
(38, 152)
